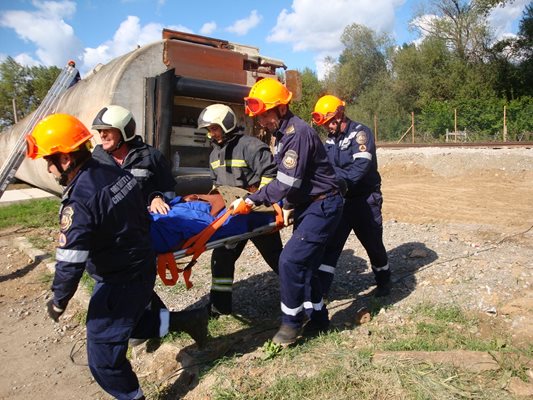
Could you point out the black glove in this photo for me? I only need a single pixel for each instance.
(343, 186)
(54, 311)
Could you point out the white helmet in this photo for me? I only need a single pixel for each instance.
(116, 117)
(219, 114)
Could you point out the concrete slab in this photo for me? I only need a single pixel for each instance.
(17, 195)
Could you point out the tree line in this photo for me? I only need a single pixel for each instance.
(456, 75)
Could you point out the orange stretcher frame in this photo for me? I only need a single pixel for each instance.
(197, 244)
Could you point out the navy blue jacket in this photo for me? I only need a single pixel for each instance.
(105, 229)
(303, 167)
(353, 155)
(147, 164)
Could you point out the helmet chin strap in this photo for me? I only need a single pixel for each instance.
(119, 144)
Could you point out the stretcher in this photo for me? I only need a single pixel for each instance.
(211, 237)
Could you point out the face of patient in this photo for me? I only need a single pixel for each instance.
(216, 133)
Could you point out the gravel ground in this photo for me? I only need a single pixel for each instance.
(458, 230)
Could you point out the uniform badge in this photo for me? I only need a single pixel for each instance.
(290, 159)
(62, 240)
(66, 218)
(361, 138)
(290, 130)
(362, 147)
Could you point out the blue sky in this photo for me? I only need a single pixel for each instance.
(299, 32)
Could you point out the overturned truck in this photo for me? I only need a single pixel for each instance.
(165, 84)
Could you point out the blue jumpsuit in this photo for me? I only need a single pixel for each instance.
(353, 155)
(104, 229)
(306, 181)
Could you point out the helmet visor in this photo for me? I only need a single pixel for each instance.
(321, 119)
(32, 150)
(254, 106)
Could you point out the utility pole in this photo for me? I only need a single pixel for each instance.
(15, 111)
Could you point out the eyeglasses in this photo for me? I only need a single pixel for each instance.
(254, 106)
(321, 119)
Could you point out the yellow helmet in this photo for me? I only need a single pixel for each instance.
(57, 133)
(264, 95)
(326, 108)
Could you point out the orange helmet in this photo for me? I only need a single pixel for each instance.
(326, 108)
(57, 133)
(264, 95)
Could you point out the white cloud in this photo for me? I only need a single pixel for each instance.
(26, 59)
(309, 26)
(128, 36)
(242, 26)
(501, 18)
(208, 28)
(46, 28)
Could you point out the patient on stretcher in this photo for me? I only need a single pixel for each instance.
(187, 218)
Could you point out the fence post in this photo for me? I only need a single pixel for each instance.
(505, 123)
(375, 128)
(413, 126)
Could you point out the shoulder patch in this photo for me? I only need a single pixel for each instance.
(66, 218)
(362, 147)
(290, 130)
(361, 138)
(62, 240)
(290, 159)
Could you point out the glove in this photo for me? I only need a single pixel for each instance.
(54, 311)
(288, 217)
(241, 206)
(343, 186)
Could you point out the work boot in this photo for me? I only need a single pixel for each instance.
(314, 328)
(384, 283)
(192, 322)
(286, 335)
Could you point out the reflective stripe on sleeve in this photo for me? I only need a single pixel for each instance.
(289, 180)
(363, 154)
(72, 256)
(264, 181)
(139, 173)
(229, 163)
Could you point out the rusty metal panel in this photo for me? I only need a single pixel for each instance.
(204, 62)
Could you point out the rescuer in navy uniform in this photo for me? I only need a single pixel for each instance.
(123, 148)
(352, 151)
(104, 229)
(306, 181)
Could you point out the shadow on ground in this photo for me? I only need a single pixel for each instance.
(256, 302)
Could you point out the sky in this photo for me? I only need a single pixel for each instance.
(301, 33)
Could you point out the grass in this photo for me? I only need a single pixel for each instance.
(339, 365)
(30, 214)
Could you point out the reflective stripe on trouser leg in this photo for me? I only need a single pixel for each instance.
(300, 287)
(222, 271)
(364, 215)
(334, 247)
(113, 314)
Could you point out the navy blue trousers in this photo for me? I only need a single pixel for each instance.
(118, 311)
(362, 215)
(301, 291)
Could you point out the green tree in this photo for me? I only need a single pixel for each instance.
(311, 91)
(462, 24)
(27, 86)
(360, 64)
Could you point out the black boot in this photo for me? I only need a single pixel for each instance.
(383, 282)
(192, 322)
